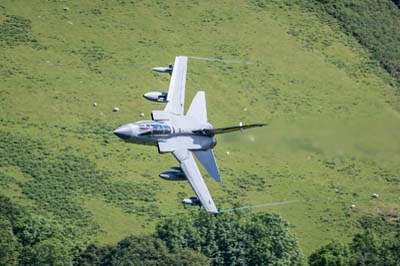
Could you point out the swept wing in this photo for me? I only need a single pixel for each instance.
(192, 172)
(222, 130)
(176, 91)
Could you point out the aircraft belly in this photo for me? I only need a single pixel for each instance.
(188, 142)
(143, 141)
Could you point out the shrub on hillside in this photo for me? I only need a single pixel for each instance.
(140, 251)
(232, 239)
(378, 243)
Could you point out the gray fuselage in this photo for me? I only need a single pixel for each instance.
(150, 132)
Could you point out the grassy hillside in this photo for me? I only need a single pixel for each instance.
(334, 117)
(374, 24)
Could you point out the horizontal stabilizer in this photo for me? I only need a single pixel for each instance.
(213, 131)
(207, 159)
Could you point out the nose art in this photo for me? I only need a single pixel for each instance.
(124, 132)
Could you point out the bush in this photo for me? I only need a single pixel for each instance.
(16, 30)
(231, 239)
(333, 254)
(141, 251)
(9, 246)
(48, 252)
(378, 243)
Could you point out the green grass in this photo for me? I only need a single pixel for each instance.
(332, 139)
(114, 223)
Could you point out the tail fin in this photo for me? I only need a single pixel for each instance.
(198, 108)
(213, 131)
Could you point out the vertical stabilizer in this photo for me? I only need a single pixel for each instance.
(198, 108)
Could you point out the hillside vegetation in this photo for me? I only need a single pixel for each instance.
(373, 23)
(315, 75)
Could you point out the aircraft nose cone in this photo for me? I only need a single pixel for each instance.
(124, 132)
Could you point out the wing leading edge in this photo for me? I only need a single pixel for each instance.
(192, 172)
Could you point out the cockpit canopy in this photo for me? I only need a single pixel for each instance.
(147, 128)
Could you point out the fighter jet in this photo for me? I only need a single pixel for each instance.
(182, 135)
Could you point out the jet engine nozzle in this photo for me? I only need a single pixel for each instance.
(194, 201)
(156, 96)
